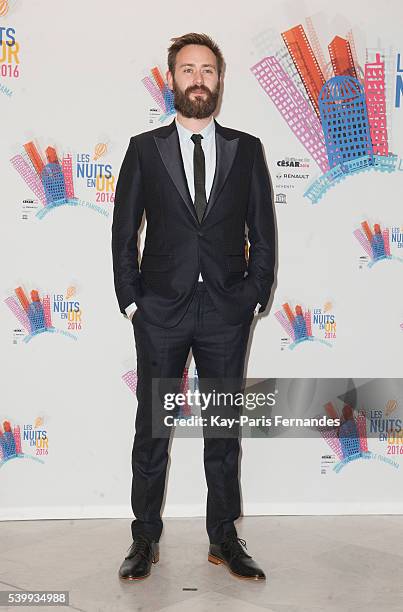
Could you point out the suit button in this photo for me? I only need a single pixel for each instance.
(200, 233)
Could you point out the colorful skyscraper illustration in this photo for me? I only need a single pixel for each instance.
(352, 109)
(51, 181)
(348, 433)
(8, 447)
(377, 55)
(34, 314)
(297, 324)
(10, 444)
(293, 107)
(67, 170)
(160, 92)
(345, 123)
(30, 176)
(351, 42)
(342, 58)
(305, 61)
(374, 83)
(348, 441)
(376, 242)
(316, 46)
(267, 45)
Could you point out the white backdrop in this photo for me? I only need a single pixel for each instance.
(78, 89)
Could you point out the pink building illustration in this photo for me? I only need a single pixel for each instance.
(285, 324)
(67, 168)
(374, 85)
(30, 176)
(156, 93)
(293, 107)
(19, 312)
(47, 311)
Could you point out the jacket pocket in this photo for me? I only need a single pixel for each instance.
(156, 263)
(236, 263)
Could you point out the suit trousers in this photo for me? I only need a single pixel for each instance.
(219, 351)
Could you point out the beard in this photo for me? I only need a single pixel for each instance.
(199, 108)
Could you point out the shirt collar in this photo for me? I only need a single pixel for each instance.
(186, 134)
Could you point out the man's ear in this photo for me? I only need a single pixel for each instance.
(169, 79)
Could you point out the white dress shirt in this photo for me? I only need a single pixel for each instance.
(187, 149)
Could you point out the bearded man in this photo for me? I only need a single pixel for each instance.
(198, 287)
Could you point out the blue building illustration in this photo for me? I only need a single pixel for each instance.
(344, 118)
(53, 183)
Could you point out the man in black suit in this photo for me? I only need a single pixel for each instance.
(198, 183)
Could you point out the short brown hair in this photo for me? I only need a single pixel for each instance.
(193, 39)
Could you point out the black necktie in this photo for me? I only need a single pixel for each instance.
(199, 171)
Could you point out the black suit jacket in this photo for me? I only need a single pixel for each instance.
(177, 247)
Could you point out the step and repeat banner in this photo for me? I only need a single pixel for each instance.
(322, 87)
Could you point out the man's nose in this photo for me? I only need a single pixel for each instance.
(198, 78)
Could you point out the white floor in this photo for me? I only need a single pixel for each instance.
(313, 564)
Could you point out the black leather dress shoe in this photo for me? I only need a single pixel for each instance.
(232, 554)
(142, 554)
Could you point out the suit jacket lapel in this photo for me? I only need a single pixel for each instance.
(169, 149)
(225, 156)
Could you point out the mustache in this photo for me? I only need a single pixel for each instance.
(198, 88)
